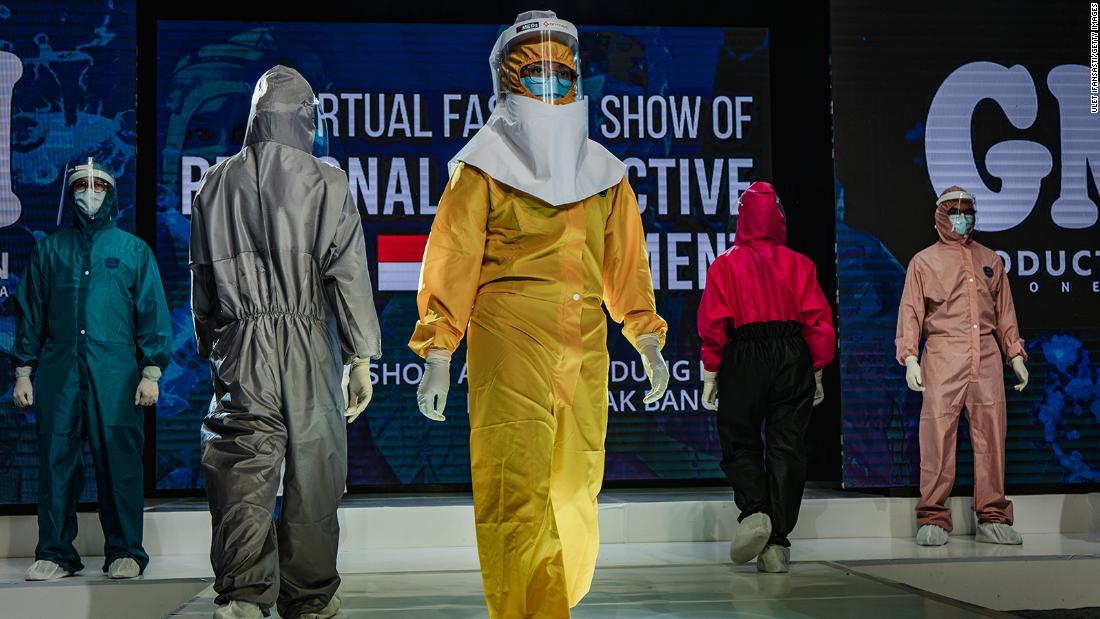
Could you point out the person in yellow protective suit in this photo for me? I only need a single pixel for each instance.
(536, 233)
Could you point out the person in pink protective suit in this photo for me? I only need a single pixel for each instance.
(767, 332)
(957, 297)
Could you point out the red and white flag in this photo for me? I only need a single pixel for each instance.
(399, 260)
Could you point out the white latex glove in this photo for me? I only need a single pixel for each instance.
(912, 374)
(819, 393)
(359, 391)
(431, 395)
(710, 390)
(147, 393)
(655, 367)
(1021, 372)
(23, 395)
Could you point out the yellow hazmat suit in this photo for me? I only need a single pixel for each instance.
(529, 279)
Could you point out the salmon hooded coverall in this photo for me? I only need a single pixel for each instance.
(957, 297)
(529, 282)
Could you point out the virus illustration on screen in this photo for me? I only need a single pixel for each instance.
(67, 90)
(1069, 408)
(66, 111)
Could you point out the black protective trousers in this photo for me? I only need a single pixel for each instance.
(766, 386)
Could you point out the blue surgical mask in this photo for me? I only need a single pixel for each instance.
(552, 87)
(961, 223)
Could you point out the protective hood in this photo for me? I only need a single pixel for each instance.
(760, 216)
(943, 222)
(537, 147)
(283, 110)
(108, 209)
(527, 53)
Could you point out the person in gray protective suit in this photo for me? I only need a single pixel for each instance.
(282, 300)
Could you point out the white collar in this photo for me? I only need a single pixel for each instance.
(543, 150)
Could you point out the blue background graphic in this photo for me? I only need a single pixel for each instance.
(206, 72)
(74, 99)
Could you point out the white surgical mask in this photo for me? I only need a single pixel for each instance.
(89, 202)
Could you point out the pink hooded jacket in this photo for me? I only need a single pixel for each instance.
(759, 279)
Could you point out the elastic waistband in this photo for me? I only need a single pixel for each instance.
(278, 314)
(772, 330)
(958, 338)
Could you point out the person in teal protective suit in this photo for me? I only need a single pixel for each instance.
(94, 331)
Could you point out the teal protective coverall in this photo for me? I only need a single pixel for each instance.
(91, 316)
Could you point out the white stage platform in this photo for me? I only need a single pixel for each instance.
(663, 555)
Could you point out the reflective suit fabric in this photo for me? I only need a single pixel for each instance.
(529, 280)
(958, 298)
(281, 299)
(92, 313)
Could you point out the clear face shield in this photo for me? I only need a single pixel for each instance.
(90, 185)
(320, 131)
(538, 57)
(960, 211)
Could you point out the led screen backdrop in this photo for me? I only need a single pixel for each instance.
(686, 108)
(923, 99)
(67, 91)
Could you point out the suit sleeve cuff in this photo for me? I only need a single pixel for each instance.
(1015, 350)
(438, 355)
(905, 354)
(649, 340)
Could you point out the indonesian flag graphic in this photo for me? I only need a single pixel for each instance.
(399, 259)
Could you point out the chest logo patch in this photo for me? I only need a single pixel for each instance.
(111, 263)
(988, 271)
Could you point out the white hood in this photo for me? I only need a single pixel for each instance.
(542, 150)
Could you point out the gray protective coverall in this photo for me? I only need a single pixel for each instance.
(282, 299)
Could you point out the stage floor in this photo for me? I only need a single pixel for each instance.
(829, 578)
(683, 592)
(665, 555)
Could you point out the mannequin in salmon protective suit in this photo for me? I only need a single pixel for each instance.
(957, 298)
